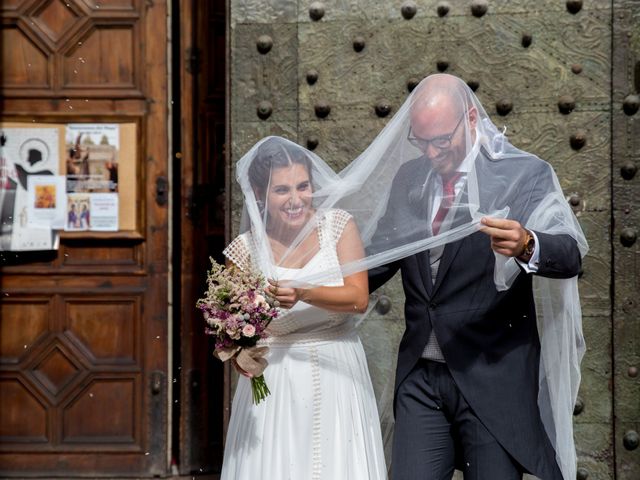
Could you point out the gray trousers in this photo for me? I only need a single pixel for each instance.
(436, 431)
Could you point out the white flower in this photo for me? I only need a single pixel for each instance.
(234, 333)
(249, 331)
(259, 300)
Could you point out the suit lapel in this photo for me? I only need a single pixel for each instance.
(450, 252)
(425, 272)
(424, 202)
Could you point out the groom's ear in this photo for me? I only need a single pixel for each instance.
(473, 117)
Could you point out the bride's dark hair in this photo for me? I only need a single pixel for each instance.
(272, 154)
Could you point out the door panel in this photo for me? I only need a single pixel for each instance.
(83, 330)
(626, 222)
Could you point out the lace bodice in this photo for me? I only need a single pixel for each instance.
(302, 318)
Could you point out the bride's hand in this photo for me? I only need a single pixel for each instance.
(287, 297)
(240, 370)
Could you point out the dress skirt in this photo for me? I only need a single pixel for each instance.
(320, 421)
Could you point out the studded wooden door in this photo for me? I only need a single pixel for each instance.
(562, 75)
(625, 156)
(83, 330)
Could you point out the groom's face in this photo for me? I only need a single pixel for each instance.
(441, 130)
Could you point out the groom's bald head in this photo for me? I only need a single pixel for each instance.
(441, 108)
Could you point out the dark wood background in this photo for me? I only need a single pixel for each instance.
(83, 331)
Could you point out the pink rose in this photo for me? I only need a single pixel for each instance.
(249, 331)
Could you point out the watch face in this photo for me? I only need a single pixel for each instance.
(530, 244)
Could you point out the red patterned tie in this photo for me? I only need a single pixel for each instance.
(448, 195)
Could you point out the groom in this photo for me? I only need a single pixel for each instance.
(467, 376)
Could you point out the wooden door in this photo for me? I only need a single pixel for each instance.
(203, 407)
(624, 226)
(83, 330)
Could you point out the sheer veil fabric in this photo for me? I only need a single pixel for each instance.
(493, 170)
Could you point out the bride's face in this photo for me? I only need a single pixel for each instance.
(288, 200)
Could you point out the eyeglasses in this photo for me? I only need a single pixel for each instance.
(441, 142)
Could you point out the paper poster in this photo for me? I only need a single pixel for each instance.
(47, 201)
(78, 214)
(104, 212)
(92, 176)
(92, 157)
(24, 153)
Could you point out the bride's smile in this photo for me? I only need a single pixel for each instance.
(288, 200)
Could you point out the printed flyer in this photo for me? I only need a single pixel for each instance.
(25, 153)
(92, 176)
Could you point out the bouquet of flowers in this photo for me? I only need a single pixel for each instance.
(237, 313)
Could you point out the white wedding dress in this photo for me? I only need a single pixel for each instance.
(321, 419)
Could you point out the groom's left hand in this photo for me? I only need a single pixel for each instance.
(507, 236)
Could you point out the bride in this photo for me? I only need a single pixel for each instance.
(320, 420)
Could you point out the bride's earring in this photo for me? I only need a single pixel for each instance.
(260, 205)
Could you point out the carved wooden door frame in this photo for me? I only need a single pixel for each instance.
(201, 218)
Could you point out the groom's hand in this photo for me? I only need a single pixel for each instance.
(507, 236)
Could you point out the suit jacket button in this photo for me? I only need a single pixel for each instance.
(433, 305)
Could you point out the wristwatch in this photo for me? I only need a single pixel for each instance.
(529, 245)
